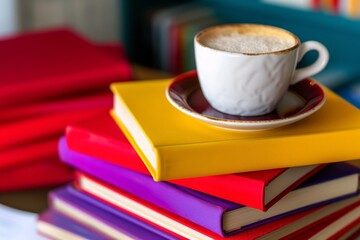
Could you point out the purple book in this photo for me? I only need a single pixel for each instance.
(338, 180)
(100, 217)
(53, 224)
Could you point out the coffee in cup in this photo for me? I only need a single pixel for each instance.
(246, 43)
(245, 69)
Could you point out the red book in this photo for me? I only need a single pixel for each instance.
(69, 103)
(41, 65)
(113, 49)
(335, 6)
(45, 172)
(316, 4)
(46, 108)
(16, 157)
(337, 227)
(344, 220)
(38, 128)
(100, 137)
(175, 48)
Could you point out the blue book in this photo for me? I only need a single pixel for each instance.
(102, 218)
(351, 93)
(55, 225)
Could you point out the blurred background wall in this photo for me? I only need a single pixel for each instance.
(95, 19)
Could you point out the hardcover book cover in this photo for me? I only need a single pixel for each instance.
(28, 153)
(41, 127)
(174, 145)
(44, 172)
(101, 138)
(62, 105)
(114, 224)
(55, 225)
(334, 181)
(54, 63)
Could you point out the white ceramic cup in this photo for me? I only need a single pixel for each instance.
(251, 82)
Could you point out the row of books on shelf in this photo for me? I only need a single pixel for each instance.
(346, 8)
(165, 31)
(50, 78)
(204, 182)
(170, 32)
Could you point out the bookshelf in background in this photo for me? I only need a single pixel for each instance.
(345, 8)
(167, 44)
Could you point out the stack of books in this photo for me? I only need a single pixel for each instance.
(148, 171)
(49, 79)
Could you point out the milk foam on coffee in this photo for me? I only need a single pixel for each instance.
(244, 43)
(248, 40)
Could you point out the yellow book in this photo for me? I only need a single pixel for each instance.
(353, 8)
(174, 145)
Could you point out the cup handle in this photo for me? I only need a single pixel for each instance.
(314, 68)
